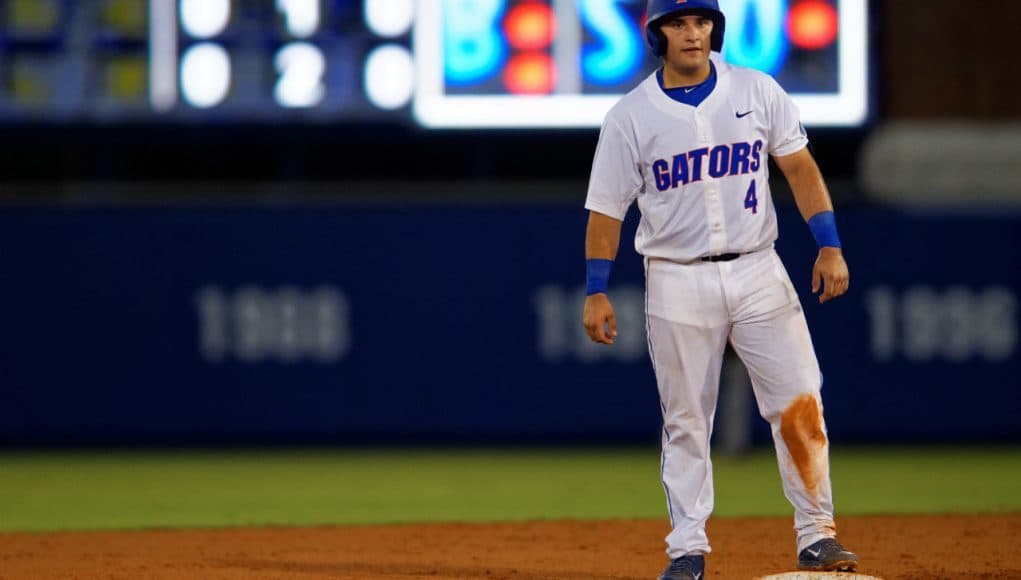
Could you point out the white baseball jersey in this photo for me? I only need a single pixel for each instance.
(700, 174)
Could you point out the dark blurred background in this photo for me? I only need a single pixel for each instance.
(347, 221)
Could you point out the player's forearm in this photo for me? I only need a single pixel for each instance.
(602, 237)
(812, 197)
(809, 188)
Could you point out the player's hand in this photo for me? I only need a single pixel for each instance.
(830, 274)
(599, 319)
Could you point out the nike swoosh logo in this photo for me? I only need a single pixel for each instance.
(743, 115)
(814, 554)
(686, 91)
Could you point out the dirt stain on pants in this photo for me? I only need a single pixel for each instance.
(801, 429)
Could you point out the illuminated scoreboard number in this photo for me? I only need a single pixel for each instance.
(388, 67)
(206, 70)
(207, 54)
(564, 63)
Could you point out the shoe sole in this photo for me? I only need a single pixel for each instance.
(838, 566)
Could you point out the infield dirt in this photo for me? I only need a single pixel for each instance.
(891, 547)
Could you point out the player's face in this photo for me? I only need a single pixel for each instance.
(688, 42)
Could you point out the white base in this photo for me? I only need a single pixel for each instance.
(818, 576)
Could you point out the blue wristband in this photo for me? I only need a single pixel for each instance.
(597, 276)
(824, 229)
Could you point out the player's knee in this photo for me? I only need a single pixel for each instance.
(801, 421)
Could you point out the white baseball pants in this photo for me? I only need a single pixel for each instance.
(692, 310)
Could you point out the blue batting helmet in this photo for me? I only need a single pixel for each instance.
(660, 9)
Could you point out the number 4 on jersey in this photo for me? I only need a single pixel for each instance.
(750, 201)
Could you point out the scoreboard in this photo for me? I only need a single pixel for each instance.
(437, 63)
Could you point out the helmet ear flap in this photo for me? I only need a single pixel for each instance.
(719, 26)
(660, 43)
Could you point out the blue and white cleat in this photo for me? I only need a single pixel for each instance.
(690, 567)
(827, 555)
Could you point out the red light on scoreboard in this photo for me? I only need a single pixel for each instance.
(530, 26)
(530, 73)
(812, 24)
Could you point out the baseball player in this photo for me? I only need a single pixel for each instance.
(690, 144)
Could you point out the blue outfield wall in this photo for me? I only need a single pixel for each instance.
(437, 324)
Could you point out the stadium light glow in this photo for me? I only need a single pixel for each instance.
(205, 75)
(389, 77)
(301, 16)
(204, 18)
(389, 18)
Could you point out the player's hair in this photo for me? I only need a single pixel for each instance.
(658, 10)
